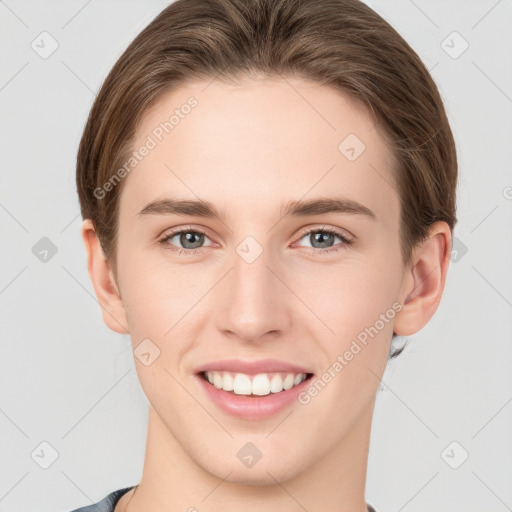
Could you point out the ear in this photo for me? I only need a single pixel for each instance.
(103, 281)
(424, 281)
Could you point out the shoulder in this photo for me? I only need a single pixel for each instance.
(107, 504)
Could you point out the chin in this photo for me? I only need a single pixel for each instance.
(265, 472)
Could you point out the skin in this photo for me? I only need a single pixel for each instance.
(249, 148)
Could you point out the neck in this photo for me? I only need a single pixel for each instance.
(171, 478)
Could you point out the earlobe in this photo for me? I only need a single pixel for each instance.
(424, 282)
(105, 287)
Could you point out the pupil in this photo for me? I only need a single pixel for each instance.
(320, 237)
(187, 239)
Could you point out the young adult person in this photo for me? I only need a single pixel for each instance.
(268, 195)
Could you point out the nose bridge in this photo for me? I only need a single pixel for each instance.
(253, 303)
(250, 269)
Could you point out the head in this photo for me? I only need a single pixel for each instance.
(228, 137)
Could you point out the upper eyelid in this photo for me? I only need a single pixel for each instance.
(337, 231)
(173, 232)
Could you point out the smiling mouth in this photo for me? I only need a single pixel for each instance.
(258, 385)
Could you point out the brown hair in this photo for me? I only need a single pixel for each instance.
(342, 43)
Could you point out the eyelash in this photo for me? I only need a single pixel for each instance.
(346, 241)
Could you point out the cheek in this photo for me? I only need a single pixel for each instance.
(359, 309)
(353, 296)
(156, 294)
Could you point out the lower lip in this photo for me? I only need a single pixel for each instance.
(252, 407)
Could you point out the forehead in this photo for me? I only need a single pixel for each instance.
(274, 139)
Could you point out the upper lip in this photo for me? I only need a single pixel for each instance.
(251, 367)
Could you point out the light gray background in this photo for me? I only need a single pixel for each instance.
(69, 381)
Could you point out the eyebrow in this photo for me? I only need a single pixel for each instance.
(301, 208)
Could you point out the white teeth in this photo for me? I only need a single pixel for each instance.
(261, 384)
(288, 381)
(241, 385)
(217, 380)
(276, 384)
(228, 382)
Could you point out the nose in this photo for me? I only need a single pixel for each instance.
(254, 303)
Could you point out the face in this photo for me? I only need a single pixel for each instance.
(294, 290)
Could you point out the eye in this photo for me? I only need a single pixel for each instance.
(189, 239)
(321, 240)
